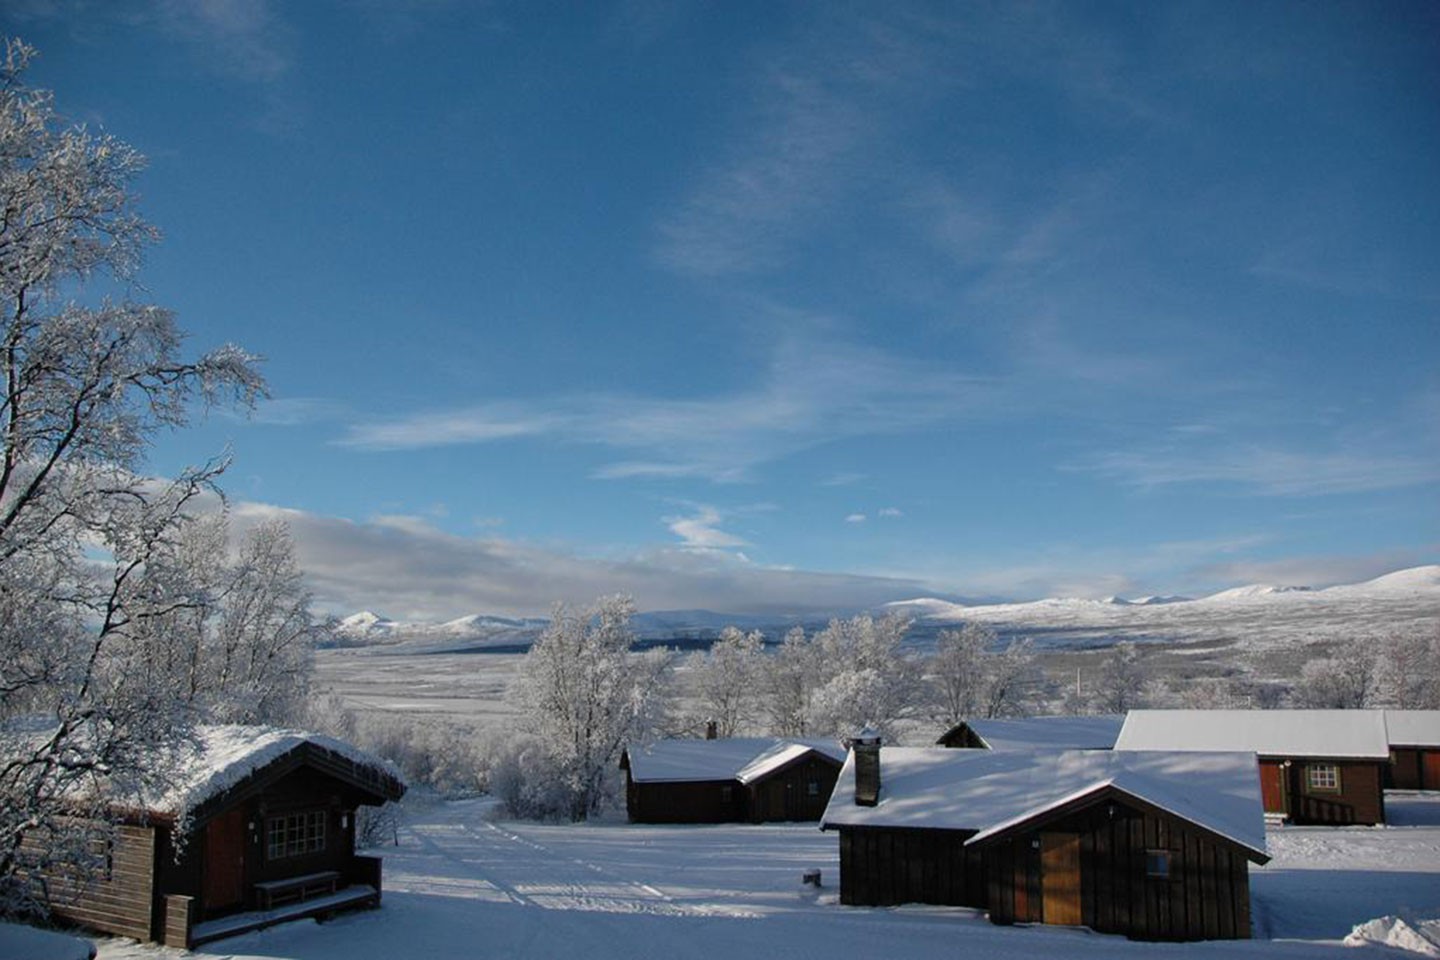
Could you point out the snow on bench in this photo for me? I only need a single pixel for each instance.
(297, 889)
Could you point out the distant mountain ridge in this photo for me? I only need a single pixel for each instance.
(1256, 614)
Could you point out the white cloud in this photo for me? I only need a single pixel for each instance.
(701, 531)
(855, 518)
(406, 567)
(813, 391)
(890, 512)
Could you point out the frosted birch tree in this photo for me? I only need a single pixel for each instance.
(727, 679)
(84, 534)
(867, 677)
(585, 695)
(790, 679)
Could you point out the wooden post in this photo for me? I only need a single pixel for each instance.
(178, 920)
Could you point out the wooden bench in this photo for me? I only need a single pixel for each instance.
(272, 893)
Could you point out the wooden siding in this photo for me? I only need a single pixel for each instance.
(120, 901)
(1207, 895)
(1414, 768)
(962, 737)
(883, 867)
(785, 794)
(699, 801)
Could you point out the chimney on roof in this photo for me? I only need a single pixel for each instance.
(712, 730)
(866, 745)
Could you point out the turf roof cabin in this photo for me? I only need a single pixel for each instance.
(1152, 846)
(1316, 766)
(1414, 739)
(736, 779)
(1036, 733)
(258, 826)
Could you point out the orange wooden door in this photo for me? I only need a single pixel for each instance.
(223, 884)
(1430, 770)
(1272, 787)
(1060, 877)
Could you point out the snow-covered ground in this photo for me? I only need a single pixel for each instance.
(462, 885)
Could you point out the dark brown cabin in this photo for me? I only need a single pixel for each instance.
(266, 835)
(732, 780)
(1316, 766)
(1115, 857)
(1414, 740)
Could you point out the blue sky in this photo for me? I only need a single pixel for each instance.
(758, 306)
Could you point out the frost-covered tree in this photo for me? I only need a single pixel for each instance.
(1012, 680)
(1339, 683)
(86, 540)
(790, 679)
(726, 679)
(1408, 671)
(585, 695)
(258, 661)
(866, 676)
(1120, 683)
(957, 672)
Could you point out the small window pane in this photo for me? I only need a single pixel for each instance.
(1157, 864)
(1324, 776)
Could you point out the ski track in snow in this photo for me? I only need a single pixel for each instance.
(540, 876)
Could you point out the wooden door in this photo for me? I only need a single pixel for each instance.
(1272, 787)
(1430, 769)
(1060, 877)
(223, 885)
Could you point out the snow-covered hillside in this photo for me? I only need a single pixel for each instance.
(1257, 615)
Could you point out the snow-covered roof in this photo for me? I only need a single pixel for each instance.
(222, 757)
(1412, 727)
(1055, 733)
(988, 791)
(1270, 733)
(745, 759)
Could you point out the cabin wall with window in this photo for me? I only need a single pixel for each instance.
(798, 792)
(302, 823)
(691, 801)
(1119, 869)
(1327, 791)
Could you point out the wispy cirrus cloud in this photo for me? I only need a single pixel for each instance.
(1268, 470)
(812, 393)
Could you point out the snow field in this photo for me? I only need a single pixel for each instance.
(462, 885)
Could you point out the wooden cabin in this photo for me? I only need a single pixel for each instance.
(257, 827)
(730, 780)
(1414, 740)
(1035, 733)
(1316, 766)
(1154, 846)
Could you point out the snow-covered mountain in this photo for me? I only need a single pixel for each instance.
(1257, 615)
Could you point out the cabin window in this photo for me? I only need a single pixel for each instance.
(813, 788)
(295, 834)
(1323, 777)
(1157, 864)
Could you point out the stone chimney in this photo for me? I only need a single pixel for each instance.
(712, 729)
(866, 745)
